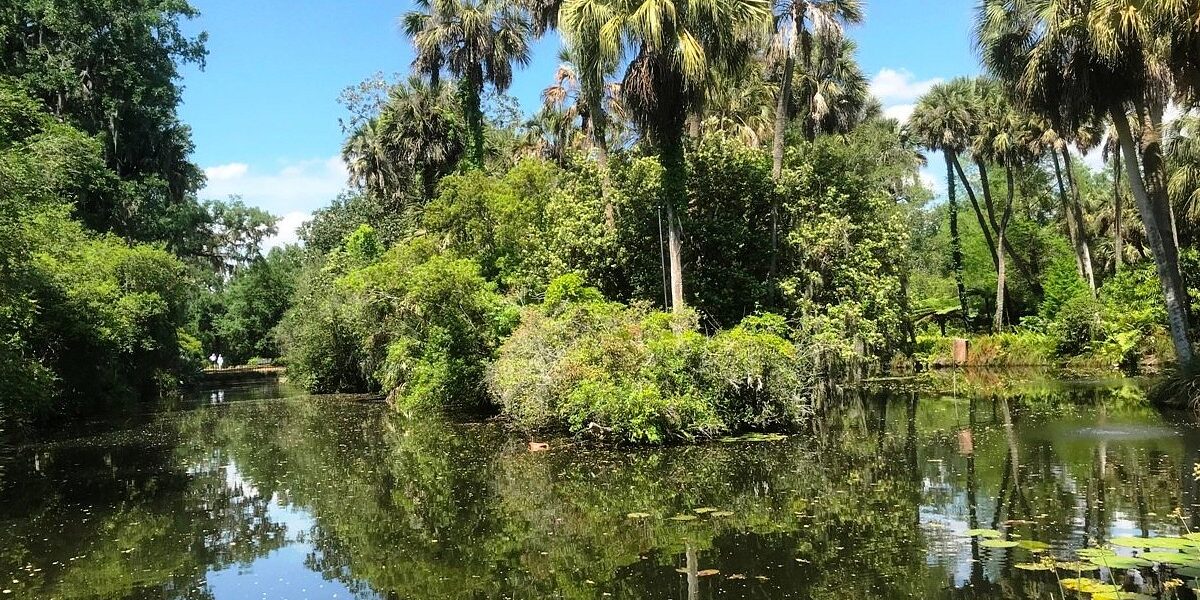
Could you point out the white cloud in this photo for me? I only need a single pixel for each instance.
(898, 90)
(893, 86)
(225, 172)
(899, 112)
(287, 225)
(289, 188)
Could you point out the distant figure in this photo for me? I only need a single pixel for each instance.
(212, 360)
(220, 362)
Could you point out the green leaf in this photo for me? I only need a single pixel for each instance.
(983, 533)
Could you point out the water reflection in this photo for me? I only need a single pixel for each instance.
(334, 497)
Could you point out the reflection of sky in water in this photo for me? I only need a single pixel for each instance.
(282, 574)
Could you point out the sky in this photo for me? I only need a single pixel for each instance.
(264, 111)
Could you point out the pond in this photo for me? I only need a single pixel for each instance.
(257, 492)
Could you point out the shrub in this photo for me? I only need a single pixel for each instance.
(637, 375)
(1179, 387)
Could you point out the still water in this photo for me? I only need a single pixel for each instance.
(255, 492)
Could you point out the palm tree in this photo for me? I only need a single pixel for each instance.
(414, 138)
(678, 49)
(1057, 145)
(837, 92)
(476, 40)
(1074, 61)
(797, 22)
(1183, 160)
(941, 121)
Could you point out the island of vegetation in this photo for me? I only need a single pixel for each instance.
(708, 222)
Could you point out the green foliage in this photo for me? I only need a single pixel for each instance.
(418, 323)
(253, 303)
(586, 365)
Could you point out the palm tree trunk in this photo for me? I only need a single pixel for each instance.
(781, 122)
(983, 226)
(1002, 265)
(781, 102)
(472, 106)
(1082, 255)
(675, 198)
(1155, 210)
(1005, 245)
(1082, 250)
(956, 254)
(1118, 234)
(806, 48)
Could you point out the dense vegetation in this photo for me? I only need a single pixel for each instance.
(708, 215)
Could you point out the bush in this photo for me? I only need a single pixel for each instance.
(417, 324)
(1179, 387)
(637, 375)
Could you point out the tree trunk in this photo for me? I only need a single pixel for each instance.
(1005, 245)
(1002, 265)
(983, 226)
(781, 102)
(806, 47)
(675, 198)
(1156, 217)
(1118, 234)
(1082, 250)
(956, 255)
(1073, 230)
(472, 106)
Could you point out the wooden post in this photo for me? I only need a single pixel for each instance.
(961, 351)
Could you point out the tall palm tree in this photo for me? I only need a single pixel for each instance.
(941, 121)
(478, 41)
(415, 138)
(1183, 160)
(1011, 139)
(1057, 146)
(797, 22)
(837, 93)
(1074, 61)
(676, 50)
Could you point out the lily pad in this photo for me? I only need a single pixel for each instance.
(1094, 552)
(1121, 596)
(999, 544)
(1170, 543)
(638, 515)
(1120, 562)
(704, 510)
(1172, 558)
(983, 533)
(1034, 545)
(1190, 572)
(1076, 566)
(682, 518)
(1088, 585)
(721, 513)
(1195, 537)
(707, 573)
(1032, 566)
(1132, 542)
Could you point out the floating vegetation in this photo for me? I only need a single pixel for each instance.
(982, 533)
(682, 518)
(1088, 585)
(1172, 558)
(999, 544)
(1076, 566)
(1121, 596)
(1170, 543)
(638, 515)
(721, 513)
(755, 437)
(704, 510)
(1033, 566)
(1034, 545)
(1120, 562)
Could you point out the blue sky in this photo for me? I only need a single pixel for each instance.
(264, 111)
